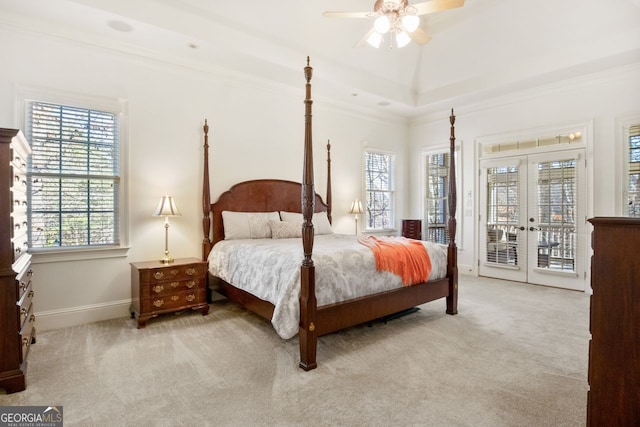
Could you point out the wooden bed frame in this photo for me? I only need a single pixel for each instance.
(277, 195)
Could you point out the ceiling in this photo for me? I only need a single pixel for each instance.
(485, 48)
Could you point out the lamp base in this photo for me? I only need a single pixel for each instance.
(167, 259)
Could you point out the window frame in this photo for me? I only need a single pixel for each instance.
(628, 125)
(119, 107)
(392, 192)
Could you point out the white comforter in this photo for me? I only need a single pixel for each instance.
(270, 270)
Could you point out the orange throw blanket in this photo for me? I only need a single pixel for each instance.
(407, 258)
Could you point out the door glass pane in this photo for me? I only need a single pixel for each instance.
(436, 205)
(502, 215)
(556, 215)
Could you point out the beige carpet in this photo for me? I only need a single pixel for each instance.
(515, 355)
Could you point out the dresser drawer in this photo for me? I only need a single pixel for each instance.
(24, 304)
(173, 302)
(27, 335)
(153, 290)
(23, 281)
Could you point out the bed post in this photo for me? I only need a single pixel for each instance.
(307, 335)
(452, 254)
(206, 198)
(329, 181)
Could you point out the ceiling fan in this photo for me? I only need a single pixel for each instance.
(398, 18)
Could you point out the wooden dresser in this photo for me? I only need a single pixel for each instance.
(17, 331)
(158, 288)
(614, 350)
(412, 228)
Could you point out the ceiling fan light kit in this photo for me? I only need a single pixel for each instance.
(399, 18)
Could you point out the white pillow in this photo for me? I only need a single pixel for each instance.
(247, 225)
(320, 221)
(285, 229)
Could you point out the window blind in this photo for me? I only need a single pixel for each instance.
(436, 205)
(74, 176)
(379, 189)
(634, 171)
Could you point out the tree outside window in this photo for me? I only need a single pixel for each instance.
(436, 197)
(633, 182)
(379, 190)
(74, 176)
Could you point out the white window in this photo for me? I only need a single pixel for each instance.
(379, 186)
(74, 176)
(436, 205)
(633, 176)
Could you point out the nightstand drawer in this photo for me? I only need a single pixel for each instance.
(173, 302)
(172, 273)
(154, 290)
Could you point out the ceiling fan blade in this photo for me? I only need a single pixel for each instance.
(436, 6)
(420, 37)
(347, 14)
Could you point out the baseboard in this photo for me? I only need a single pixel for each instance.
(64, 318)
(466, 269)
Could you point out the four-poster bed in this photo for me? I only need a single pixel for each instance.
(270, 196)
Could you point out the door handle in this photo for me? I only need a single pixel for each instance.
(521, 228)
(532, 229)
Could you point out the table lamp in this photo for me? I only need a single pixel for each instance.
(356, 209)
(166, 208)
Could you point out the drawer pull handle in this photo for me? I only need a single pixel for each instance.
(175, 284)
(23, 311)
(175, 298)
(30, 295)
(157, 289)
(23, 286)
(158, 275)
(32, 318)
(190, 297)
(175, 271)
(191, 284)
(25, 341)
(158, 303)
(191, 271)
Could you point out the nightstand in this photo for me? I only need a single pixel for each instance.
(158, 288)
(412, 228)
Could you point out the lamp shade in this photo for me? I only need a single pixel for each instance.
(356, 207)
(382, 24)
(402, 39)
(167, 207)
(374, 39)
(410, 23)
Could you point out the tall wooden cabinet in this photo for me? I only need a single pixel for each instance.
(17, 331)
(614, 350)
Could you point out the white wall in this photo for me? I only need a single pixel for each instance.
(256, 131)
(602, 99)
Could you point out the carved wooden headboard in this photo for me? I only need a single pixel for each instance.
(261, 195)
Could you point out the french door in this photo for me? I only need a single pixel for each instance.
(532, 220)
